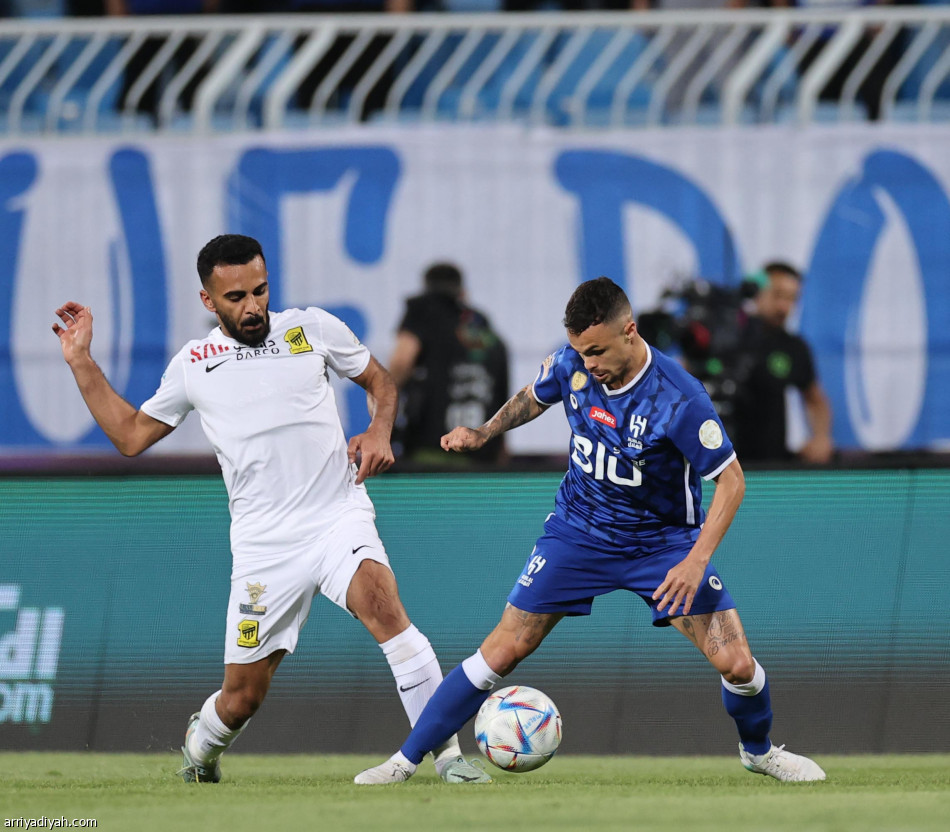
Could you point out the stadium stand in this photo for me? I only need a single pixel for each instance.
(62, 75)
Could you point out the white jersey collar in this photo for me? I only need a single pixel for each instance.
(635, 380)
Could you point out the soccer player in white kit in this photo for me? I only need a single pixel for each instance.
(302, 523)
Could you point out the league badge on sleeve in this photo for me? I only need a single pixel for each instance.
(710, 434)
(578, 380)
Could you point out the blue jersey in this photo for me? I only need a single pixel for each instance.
(638, 453)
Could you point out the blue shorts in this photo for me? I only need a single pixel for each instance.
(566, 571)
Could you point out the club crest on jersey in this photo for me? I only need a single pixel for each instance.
(578, 380)
(297, 340)
(638, 429)
(598, 414)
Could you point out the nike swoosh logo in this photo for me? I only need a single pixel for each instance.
(410, 687)
(466, 779)
(210, 367)
(364, 546)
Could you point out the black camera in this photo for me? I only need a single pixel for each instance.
(702, 324)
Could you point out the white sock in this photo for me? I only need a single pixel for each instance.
(417, 674)
(750, 688)
(479, 673)
(211, 736)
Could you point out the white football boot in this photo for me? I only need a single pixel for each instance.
(397, 769)
(782, 765)
(459, 770)
(191, 771)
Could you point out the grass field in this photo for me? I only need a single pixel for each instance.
(140, 793)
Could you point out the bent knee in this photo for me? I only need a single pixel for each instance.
(504, 658)
(241, 704)
(740, 670)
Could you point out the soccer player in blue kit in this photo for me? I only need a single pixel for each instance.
(628, 515)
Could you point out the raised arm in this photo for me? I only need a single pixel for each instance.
(372, 448)
(520, 409)
(130, 430)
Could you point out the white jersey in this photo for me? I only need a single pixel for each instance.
(271, 417)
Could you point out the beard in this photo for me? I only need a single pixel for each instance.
(251, 331)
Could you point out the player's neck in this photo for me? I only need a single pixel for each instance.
(638, 358)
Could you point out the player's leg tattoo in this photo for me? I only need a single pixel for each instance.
(531, 627)
(719, 636)
(517, 636)
(724, 629)
(745, 690)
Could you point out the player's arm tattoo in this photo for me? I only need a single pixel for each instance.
(522, 407)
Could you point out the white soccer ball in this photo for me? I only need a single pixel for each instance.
(518, 728)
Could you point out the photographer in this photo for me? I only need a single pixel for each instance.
(778, 360)
(451, 368)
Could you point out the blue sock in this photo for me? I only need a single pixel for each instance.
(453, 704)
(753, 716)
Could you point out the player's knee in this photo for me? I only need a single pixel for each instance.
(383, 615)
(740, 671)
(505, 658)
(241, 704)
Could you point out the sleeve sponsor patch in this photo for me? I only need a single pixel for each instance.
(710, 434)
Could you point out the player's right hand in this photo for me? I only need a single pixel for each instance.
(463, 439)
(75, 336)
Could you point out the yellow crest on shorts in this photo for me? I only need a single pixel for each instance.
(578, 380)
(297, 340)
(249, 633)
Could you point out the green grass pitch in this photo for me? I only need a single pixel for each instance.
(140, 793)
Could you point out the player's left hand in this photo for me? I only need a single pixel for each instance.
(371, 452)
(680, 586)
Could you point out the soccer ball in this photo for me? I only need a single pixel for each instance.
(518, 728)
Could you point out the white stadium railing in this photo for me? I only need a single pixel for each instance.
(209, 74)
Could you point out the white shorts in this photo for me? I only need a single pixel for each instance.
(270, 597)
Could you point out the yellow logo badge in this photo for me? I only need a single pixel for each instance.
(578, 380)
(249, 633)
(297, 340)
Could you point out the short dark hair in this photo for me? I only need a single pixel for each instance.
(783, 268)
(227, 250)
(594, 302)
(444, 279)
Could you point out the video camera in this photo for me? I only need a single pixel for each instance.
(702, 324)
